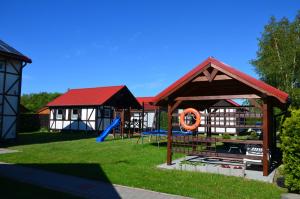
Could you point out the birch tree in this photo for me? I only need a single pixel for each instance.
(278, 56)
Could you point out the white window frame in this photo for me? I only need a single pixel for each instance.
(58, 115)
(74, 116)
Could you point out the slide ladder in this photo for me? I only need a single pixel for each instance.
(115, 123)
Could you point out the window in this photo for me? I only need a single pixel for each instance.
(59, 114)
(107, 113)
(75, 115)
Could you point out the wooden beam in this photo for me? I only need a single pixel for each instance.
(217, 97)
(210, 76)
(200, 79)
(222, 77)
(207, 74)
(266, 131)
(177, 103)
(169, 144)
(213, 75)
(216, 78)
(246, 82)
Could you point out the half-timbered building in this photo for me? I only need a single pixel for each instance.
(90, 109)
(146, 118)
(11, 64)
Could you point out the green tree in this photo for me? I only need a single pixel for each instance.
(278, 56)
(36, 101)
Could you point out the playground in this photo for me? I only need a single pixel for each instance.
(196, 114)
(124, 162)
(100, 133)
(202, 118)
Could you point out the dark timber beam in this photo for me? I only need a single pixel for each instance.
(207, 74)
(216, 77)
(169, 144)
(213, 75)
(218, 97)
(177, 103)
(210, 76)
(267, 114)
(171, 108)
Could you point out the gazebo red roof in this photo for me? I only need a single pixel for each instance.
(230, 71)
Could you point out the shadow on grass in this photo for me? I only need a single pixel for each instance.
(161, 144)
(46, 137)
(35, 174)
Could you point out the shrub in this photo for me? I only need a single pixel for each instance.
(290, 145)
(226, 136)
(253, 136)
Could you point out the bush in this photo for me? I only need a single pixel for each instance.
(253, 136)
(290, 145)
(226, 136)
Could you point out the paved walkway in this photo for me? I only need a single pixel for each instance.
(4, 151)
(77, 186)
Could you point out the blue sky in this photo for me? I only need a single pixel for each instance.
(145, 45)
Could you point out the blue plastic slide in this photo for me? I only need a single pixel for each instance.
(116, 122)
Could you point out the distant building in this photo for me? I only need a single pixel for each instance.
(217, 114)
(11, 64)
(150, 119)
(44, 111)
(90, 109)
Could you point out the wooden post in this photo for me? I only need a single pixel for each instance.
(122, 124)
(129, 122)
(114, 116)
(142, 119)
(208, 132)
(169, 145)
(158, 119)
(267, 114)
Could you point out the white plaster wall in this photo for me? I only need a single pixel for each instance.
(150, 122)
(149, 119)
(68, 124)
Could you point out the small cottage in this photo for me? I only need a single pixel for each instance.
(90, 109)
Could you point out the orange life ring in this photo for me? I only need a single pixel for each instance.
(197, 118)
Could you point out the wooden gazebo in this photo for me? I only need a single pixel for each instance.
(213, 80)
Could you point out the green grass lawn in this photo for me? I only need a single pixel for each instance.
(127, 163)
(13, 189)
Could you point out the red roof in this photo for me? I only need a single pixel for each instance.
(230, 71)
(147, 102)
(232, 102)
(86, 96)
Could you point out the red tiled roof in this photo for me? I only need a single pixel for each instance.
(232, 72)
(86, 96)
(147, 101)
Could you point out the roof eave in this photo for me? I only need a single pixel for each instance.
(18, 57)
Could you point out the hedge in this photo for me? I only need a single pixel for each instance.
(290, 145)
